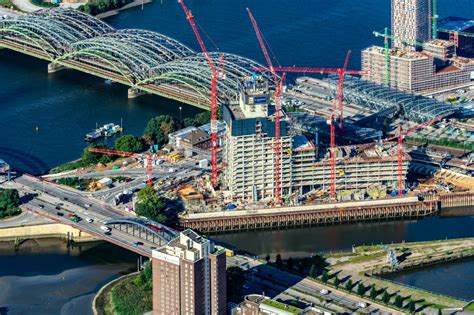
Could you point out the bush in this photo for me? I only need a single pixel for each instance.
(150, 205)
(9, 202)
(133, 296)
(128, 143)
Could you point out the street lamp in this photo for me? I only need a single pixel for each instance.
(180, 108)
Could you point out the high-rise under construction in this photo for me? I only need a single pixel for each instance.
(411, 21)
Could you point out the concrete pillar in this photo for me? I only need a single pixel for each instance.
(55, 67)
(134, 93)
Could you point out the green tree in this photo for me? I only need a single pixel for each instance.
(313, 271)
(373, 292)
(9, 202)
(188, 122)
(398, 301)
(150, 205)
(267, 258)
(235, 280)
(349, 285)
(325, 277)
(385, 297)
(89, 158)
(360, 289)
(337, 282)
(158, 128)
(411, 307)
(202, 118)
(128, 143)
(278, 261)
(289, 263)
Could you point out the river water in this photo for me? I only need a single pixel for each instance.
(66, 105)
(46, 277)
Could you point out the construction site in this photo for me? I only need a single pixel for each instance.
(364, 140)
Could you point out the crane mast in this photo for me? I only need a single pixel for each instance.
(278, 85)
(215, 77)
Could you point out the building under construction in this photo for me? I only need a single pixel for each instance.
(433, 68)
(418, 61)
(305, 164)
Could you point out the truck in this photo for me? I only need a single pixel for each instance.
(106, 229)
(73, 217)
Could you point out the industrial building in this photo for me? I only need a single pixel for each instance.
(305, 165)
(189, 277)
(411, 21)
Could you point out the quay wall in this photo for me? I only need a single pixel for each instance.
(45, 231)
(262, 220)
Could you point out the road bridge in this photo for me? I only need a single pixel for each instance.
(146, 61)
(132, 233)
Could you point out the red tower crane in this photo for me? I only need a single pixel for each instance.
(278, 85)
(217, 72)
(399, 138)
(338, 103)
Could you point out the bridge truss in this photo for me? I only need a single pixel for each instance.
(144, 60)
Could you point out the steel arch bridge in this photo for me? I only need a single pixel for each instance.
(145, 61)
(146, 229)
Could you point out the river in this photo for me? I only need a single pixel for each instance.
(66, 105)
(46, 277)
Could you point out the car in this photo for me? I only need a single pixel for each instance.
(87, 205)
(89, 220)
(41, 206)
(138, 243)
(362, 304)
(57, 208)
(324, 291)
(152, 247)
(65, 198)
(60, 214)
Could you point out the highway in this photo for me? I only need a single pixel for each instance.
(261, 276)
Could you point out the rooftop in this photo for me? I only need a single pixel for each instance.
(456, 24)
(302, 143)
(284, 307)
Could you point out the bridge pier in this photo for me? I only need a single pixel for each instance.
(134, 93)
(55, 67)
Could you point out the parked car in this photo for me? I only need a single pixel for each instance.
(60, 214)
(90, 220)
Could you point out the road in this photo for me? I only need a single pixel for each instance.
(26, 6)
(301, 288)
(50, 196)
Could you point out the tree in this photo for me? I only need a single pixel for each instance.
(373, 292)
(289, 263)
(385, 297)
(360, 289)
(313, 271)
(150, 205)
(337, 282)
(128, 143)
(89, 158)
(9, 202)
(278, 261)
(398, 301)
(235, 280)
(325, 277)
(349, 285)
(188, 122)
(411, 307)
(158, 128)
(267, 258)
(202, 118)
